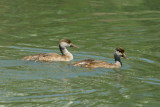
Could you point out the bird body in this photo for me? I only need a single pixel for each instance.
(89, 63)
(49, 57)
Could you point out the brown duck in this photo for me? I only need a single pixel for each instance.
(49, 57)
(89, 63)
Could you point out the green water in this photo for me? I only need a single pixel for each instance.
(97, 27)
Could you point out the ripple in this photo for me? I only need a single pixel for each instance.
(146, 60)
(151, 80)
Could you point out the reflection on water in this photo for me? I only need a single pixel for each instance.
(97, 27)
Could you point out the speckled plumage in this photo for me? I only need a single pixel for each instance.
(90, 63)
(49, 57)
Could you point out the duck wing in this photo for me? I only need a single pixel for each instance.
(83, 62)
(90, 63)
(42, 57)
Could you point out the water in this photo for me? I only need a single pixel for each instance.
(97, 27)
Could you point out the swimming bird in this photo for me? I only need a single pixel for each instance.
(49, 57)
(89, 63)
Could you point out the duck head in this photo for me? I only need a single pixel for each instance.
(66, 43)
(120, 52)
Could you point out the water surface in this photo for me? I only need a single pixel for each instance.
(97, 26)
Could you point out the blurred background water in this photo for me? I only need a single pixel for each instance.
(97, 26)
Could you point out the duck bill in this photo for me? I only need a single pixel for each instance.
(124, 56)
(72, 45)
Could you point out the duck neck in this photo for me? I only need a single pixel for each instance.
(117, 59)
(64, 51)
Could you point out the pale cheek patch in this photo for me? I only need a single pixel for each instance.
(118, 53)
(64, 44)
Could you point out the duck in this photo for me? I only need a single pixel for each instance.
(90, 63)
(49, 57)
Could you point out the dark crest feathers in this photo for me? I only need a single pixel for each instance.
(120, 49)
(66, 40)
